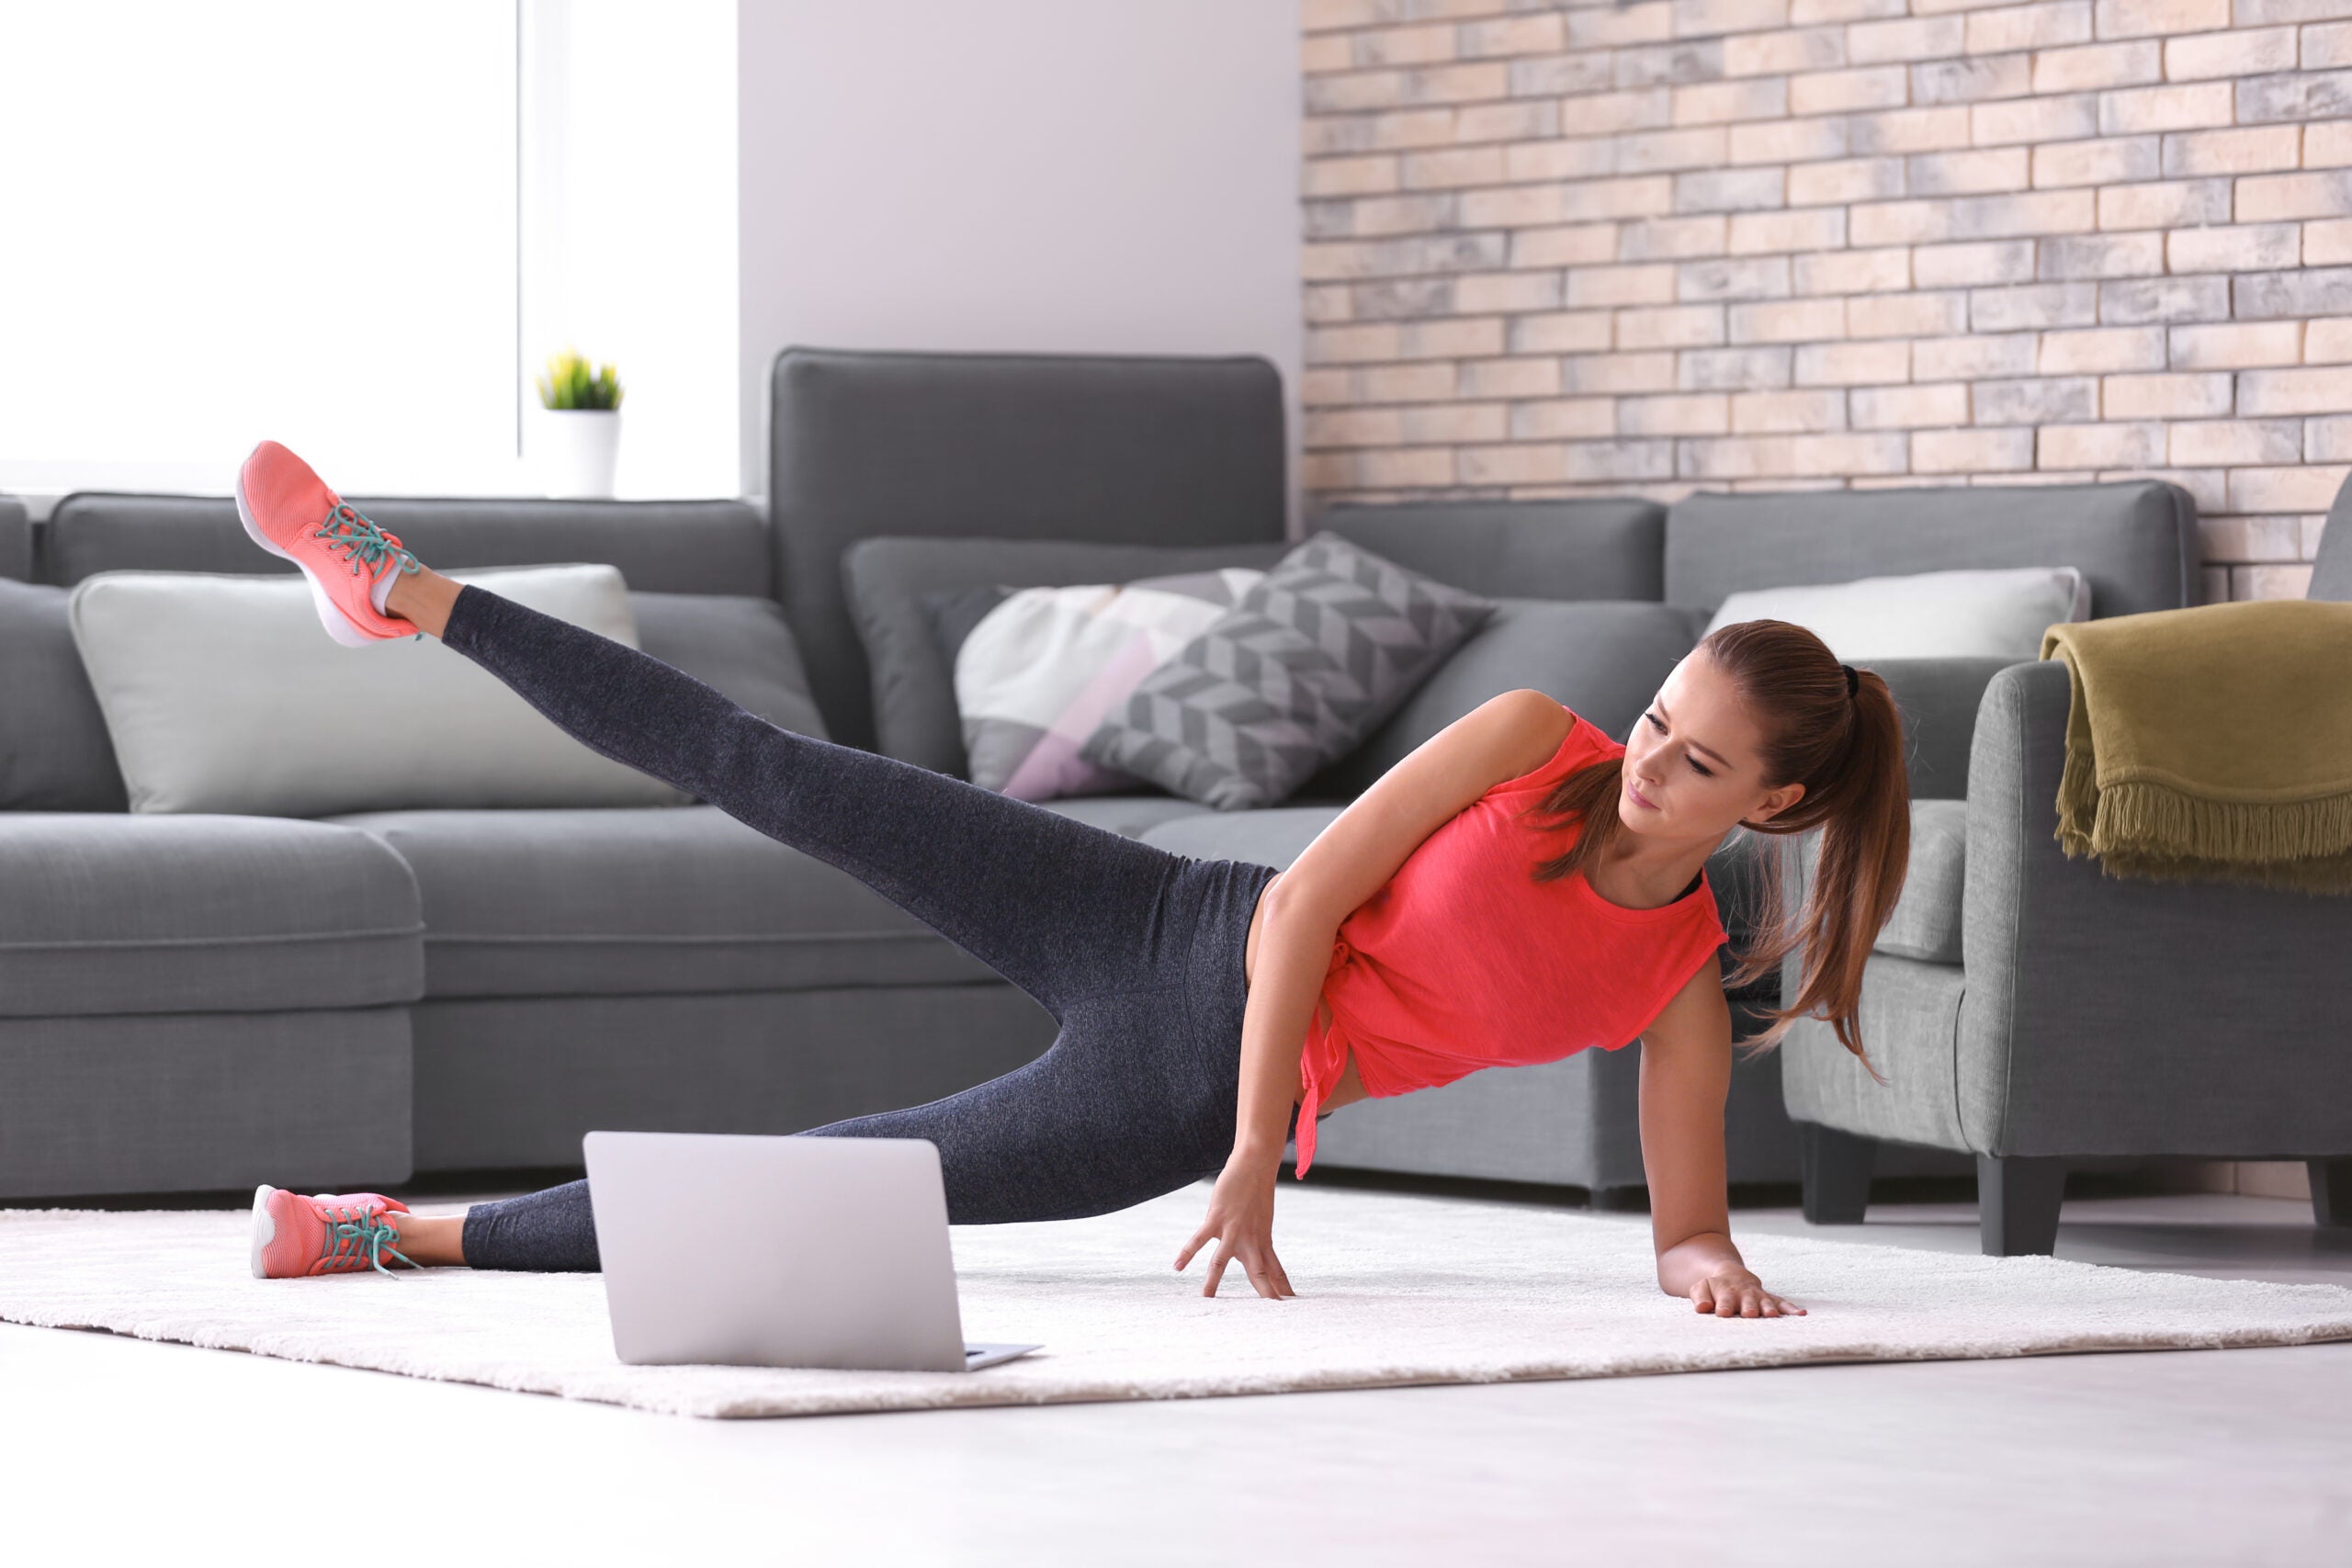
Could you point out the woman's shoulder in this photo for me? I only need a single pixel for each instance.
(1582, 743)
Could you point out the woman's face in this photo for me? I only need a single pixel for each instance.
(1693, 769)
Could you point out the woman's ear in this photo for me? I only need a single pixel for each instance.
(1773, 804)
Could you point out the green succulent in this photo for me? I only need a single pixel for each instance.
(568, 383)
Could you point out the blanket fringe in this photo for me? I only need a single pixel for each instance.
(2143, 818)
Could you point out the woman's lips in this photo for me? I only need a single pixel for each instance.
(1638, 797)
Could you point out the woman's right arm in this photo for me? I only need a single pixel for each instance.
(1351, 860)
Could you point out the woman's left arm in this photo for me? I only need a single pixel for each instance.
(1685, 1077)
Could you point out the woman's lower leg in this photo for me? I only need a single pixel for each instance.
(431, 1240)
(423, 598)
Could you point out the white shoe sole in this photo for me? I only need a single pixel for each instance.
(339, 626)
(264, 1228)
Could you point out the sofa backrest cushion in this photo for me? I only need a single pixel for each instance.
(914, 682)
(2136, 541)
(1607, 548)
(15, 541)
(664, 547)
(2332, 568)
(54, 752)
(740, 646)
(1115, 449)
(1604, 660)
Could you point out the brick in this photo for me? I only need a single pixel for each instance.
(1348, 176)
(1648, 109)
(1560, 160)
(2323, 440)
(1845, 180)
(1703, 18)
(1353, 427)
(1484, 293)
(1788, 141)
(2100, 65)
(2142, 19)
(1328, 302)
(1420, 88)
(1674, 414)
(1972, 217)
(1550, 75)
(2048, 26)
(1843, 92)
(1401, 383)
(1402, 45)
(1816, 229)
(1523, 119)
(1395, 298)
(1733, 370)
(2327, 242)
(1607, 26)
(1621, 285)
(1453, 167)
(1511, 465)
(2268, 13)
(1670, 326)
(1776, 54)
(1875, 364)
(2109, 446)
(1667, 64)
(1792, 457)
(2132, 300)
(1851, 272)
(1422, 254)
(1420, 466)
(1451, 339)
(1377, 132)
(2305, 292)
(1536, 34)
(1787, 414)
(1615, 460)
(1352, 345)
(2165, 204)
(2270, 582)
(2058, 400)
(1728, 190)
(1908, 38)
(2235, 443)
(1510, 377)
(1378, 216)
(2254, 247)
(2193, 106)
(1812, 13)
(1617, 372)
(1970, 451)
(1454, 422)
(2179, 395)
(1972, 262)
(2256, 149)
(1907, 315)
(2065, 119)
(1563, 419)
(2323, 47)
(1660, 152)
(2309, 488)
(2109, 161)
(1569, 244)
(1787, 321)
(1672, 239)
(2327, 343)
(1642, 196)
(1746, 277)
(2242, 347)
(1968, 174)
(2099, 349)
(2242, 53)
(1715, 103)
(1562, 331)
(2325, 192)
(2297, 98)
(1972, 80)
(2248, 538)
(1908, 408)
(2032, 306)
(1973, 358)
(2101, 255)
(1890, 132)
(2327, 146)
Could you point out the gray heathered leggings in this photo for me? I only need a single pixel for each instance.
(1135, 952)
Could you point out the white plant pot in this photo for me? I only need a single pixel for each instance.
(574, 450)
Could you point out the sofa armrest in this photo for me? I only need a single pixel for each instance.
(1938, 699)
(2117, 1015)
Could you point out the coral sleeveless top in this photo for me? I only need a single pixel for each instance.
(1463, 960)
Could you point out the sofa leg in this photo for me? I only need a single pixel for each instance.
(2331, 1191)
(2018, 1201)
(1835, 1168)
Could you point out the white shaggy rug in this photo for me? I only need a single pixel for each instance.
(1394, 1289)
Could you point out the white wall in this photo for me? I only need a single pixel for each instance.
(1043, 175)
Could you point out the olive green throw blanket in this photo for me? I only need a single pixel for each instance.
(2212, 743)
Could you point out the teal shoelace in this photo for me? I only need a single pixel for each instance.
(369, 1233)
(366, 546)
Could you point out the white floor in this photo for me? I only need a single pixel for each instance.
(112, 1449)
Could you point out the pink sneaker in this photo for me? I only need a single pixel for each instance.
(294, 1235)
(352, 563)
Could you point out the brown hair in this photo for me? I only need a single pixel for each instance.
(1847, 749)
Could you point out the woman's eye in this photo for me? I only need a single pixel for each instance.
(1654, 722)
(1703, 773)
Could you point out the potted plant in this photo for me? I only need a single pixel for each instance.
(577, 433)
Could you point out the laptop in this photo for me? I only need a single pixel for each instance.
(779, 1252)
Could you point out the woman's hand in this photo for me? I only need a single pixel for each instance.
(1736, 1293)
(1241, 1218)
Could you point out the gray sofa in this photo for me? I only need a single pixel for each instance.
(200, 1003)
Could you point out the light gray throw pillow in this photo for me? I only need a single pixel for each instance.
(224, 693)
(1314, 655)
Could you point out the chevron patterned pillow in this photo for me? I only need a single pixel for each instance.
(1304, 666)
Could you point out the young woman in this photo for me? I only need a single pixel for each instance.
(1518, 888)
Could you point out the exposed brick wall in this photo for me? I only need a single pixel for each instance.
(1642, 248)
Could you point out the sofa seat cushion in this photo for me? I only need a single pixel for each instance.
(1926, 923)
(643, 901)
(107, 913)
